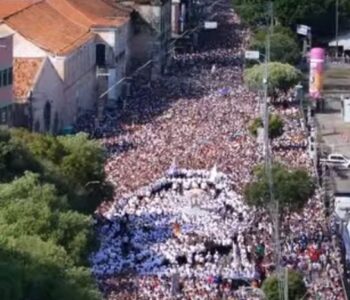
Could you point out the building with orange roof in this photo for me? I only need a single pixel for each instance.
(79, 51)
(111, 24)
(62, 56)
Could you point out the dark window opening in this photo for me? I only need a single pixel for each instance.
(100, 55)
(47, 116)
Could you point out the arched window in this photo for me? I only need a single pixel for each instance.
(100, 55)
(47, 116)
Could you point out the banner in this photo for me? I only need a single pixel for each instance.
(317, 57)
(303, 29)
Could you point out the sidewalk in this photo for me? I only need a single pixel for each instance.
(333, 132)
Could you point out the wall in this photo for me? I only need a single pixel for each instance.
(23, 47)
(140, 44)
(80, 96)
(48, 88)
(159, 18)
(66, 102)
(6, 50)
(117, 54)
(6, 56)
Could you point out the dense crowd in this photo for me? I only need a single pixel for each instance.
(190, 235)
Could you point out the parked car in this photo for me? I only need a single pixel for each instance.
(337, 160)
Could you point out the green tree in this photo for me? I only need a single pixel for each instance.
(284, 47)
(316, 13)
(11, 284)
(31, 208)
(83, 167)
(291, 187)
(42, 146)
(15, 159)
(296, 286)
(74, 164)
(252, 12)
(275, 126)
(44, 271)
(281, 77)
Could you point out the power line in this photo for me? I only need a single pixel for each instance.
(274, 204)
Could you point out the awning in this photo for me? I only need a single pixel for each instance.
(343, 41)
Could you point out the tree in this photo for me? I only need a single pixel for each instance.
(316, 13)
(45, 239)
(281, 77)
(31, 208)
(296, 286)
(74, 164)
(83, 167)
(11, 284)
(43, 271)
(275, 126)
(284, 47)
(291, 187)
(15, 159)
(252, 12)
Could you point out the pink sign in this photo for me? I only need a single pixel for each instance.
(317, 58)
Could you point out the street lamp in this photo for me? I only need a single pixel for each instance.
(336, 26)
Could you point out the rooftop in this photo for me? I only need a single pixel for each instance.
(9, 7)
(97, 13)
(25, 71)
(49, 29)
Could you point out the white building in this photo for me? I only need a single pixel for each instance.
(59, 55)
(110, 23)
(74, 50)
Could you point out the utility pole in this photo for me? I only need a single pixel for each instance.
(274, 205)
(286, 283)
(336, 26)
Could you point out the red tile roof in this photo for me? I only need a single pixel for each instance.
(97, 13)
(49, 29)
(9, 7)
(25, 71)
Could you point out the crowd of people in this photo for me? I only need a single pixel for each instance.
(190, 234)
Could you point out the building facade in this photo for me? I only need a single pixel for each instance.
(6, 78)
(82, 55)
(155, 37)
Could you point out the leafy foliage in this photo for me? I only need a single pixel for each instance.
(284, 47)
(316, 13)
(41, 270)
(74, 164)
(296, 286)
(292, 188)
(275, 126)
(46, 235)
(281, 77)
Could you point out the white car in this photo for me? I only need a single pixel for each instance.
(339, 160)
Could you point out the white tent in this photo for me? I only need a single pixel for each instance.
(343, 41)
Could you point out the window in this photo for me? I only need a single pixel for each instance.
(100, 55)
(4, 77)
(47, 116)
